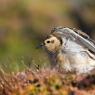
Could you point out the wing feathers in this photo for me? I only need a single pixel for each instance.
(78, 35)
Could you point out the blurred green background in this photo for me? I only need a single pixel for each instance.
(25, 23)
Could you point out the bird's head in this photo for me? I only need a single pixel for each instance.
(52, 43)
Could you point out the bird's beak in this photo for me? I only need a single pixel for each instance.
(40, 46)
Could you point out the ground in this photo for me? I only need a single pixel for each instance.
(46, 81)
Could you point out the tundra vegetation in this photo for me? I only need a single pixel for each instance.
(23, 25)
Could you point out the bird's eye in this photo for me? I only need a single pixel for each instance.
(48, 41)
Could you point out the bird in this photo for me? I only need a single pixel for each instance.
(74, 49)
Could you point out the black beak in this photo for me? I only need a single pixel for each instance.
(40, 46)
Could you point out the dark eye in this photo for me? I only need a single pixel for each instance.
(48, 41)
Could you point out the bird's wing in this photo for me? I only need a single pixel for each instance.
(81, 33)
(85, 40)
